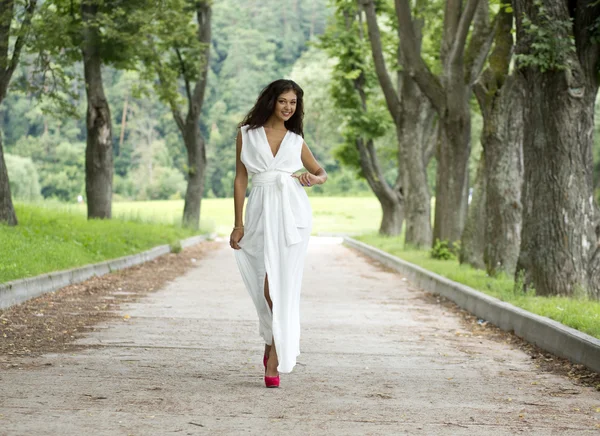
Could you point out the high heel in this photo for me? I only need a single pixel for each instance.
(272, 382)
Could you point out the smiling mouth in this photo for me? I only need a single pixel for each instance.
(286, 114)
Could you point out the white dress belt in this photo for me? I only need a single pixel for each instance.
(282, 180)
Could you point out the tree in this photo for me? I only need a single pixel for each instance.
(15, 24)
(186, 43)
(98, 33)
(462, 58)
(500, 97)
(353, 92)
(558, 55)
(98, 152)
(413, 118)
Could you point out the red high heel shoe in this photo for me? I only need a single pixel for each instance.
(272, 382)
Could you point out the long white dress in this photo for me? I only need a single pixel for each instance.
(277, 224)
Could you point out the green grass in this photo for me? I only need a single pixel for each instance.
(580, 314)
(349, 215)
(49, 239)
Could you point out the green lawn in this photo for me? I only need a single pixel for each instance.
(48, 239)
(580, 314)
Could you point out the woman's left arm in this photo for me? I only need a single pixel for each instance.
(316, 175)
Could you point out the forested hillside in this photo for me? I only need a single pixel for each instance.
(253, 43)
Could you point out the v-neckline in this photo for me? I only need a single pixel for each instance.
(269, 145)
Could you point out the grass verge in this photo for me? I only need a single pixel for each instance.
(48, 239)
(581, 314)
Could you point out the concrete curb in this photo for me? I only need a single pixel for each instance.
(547, 334)
(17, 291)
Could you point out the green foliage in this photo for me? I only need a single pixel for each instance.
(551, 41)
(362, 119)
(443, 250)
(60, 165)
(24, 178)
(580, 314)
(48, 240)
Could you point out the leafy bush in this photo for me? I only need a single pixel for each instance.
(443, 250)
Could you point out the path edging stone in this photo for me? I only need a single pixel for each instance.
(18, 291)
(546, 333)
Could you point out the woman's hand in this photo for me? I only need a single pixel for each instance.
(308, 179)
(236, 236)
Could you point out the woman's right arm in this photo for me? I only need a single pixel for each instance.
(239, 194)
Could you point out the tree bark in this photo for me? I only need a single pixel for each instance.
(7, 210)
(452, 181)
(559, 246)
(99, 150)
(503, 144)
(9, 59)
(415, 134)
(196, 151)
(473, 237)
(393, 214)
(500, 99)
(391, 198)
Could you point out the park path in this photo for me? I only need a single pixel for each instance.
(378, 358)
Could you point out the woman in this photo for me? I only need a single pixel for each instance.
(270, 249)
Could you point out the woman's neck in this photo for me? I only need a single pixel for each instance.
(275, 123)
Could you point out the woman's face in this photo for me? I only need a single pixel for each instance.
(285, 106)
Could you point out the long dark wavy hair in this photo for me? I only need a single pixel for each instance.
(265, 104)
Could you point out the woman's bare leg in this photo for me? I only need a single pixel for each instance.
(270, 349)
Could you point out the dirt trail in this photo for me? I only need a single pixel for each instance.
(377, 359)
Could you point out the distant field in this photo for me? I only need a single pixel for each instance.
(352, 215)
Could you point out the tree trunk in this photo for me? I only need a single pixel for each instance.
(501, 101)
(452, 174)
(192, 136)
(9, 59)
(98, 152)
(473, 236)
(412, 116)
(196, 171)
(503, 144)
(390, 198)
(7, 210)
(462, 58)
(559, 245)
(393, 216)
(415, 136)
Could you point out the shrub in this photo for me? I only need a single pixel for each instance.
(443, 250)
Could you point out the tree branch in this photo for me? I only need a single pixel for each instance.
(458, 47)
(203, 14)
(480, 42)
(163, 83)
(390, 94)
(20, 42)
(414, 64)
(188, 89)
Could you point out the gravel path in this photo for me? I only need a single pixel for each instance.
(378, 358)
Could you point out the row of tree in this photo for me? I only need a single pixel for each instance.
(533, 212)
(167, 41)
(252, 43)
